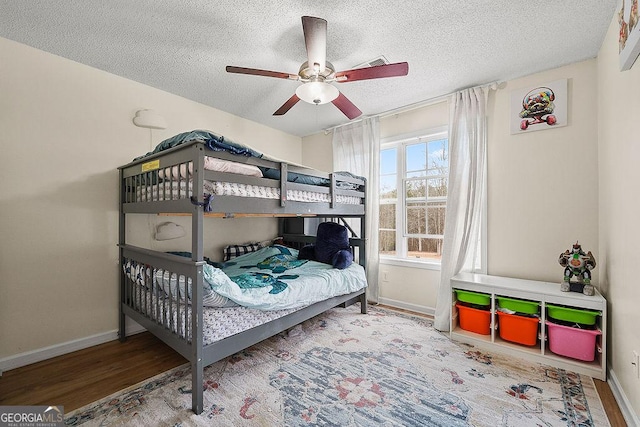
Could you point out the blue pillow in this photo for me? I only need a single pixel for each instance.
(299, 178)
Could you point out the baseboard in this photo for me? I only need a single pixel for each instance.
(407, 306)
(34, 356)
(628, 413)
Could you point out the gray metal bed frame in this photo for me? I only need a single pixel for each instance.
(183, 331)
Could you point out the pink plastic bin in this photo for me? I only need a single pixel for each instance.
(572, 342)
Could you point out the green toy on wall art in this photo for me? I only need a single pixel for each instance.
(579, 264)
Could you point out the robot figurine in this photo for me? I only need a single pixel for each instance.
(579, 264)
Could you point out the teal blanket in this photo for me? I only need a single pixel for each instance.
(273, 278)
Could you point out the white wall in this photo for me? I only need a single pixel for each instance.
(317, 152)
(618, 103)
(64, 130)
(543, 185)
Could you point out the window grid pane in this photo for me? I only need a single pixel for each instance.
(416, 218)
(420, 204)
(387, 241)
(388, 216)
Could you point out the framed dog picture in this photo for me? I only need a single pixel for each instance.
(539, 107)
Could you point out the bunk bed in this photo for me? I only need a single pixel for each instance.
(202, 174)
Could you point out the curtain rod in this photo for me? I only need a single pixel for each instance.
(425, 103)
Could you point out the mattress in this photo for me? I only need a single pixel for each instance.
(219, 323)
(175, 191)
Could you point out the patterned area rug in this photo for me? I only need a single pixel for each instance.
(343, 368)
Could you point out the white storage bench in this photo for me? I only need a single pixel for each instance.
(544, 293)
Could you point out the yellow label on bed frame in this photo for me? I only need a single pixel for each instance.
(150, 166)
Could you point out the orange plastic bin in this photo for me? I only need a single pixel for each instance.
(474, 320)
(518, 329)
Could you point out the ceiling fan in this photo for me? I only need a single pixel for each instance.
(317, 73)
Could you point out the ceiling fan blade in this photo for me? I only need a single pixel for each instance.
(346, 106)
(315, 39)
(287, 105)
(377, 72)
(257, 72)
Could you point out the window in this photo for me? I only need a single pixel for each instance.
(414, 172)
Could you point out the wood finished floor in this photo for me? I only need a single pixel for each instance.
(82, 377)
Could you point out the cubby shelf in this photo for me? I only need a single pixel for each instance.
(544, 293)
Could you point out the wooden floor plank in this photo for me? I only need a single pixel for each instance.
(79, 378)
(609, 403)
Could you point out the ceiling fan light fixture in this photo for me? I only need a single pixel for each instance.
(316, 73)
(317, 92)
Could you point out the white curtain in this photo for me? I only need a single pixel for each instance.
(466, 198)
(356, 149)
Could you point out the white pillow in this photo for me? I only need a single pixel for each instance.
(214, 164)
(220, 165)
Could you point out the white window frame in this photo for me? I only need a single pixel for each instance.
(401, 142)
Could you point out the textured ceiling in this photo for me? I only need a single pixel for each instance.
(182, 47)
